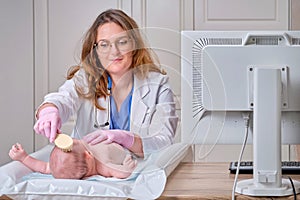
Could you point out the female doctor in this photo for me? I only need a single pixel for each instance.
(118, 93)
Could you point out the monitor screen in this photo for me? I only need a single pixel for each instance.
(217, 78)
(229, 75)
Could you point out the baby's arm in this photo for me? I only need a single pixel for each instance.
(18, 153)
(124, 170)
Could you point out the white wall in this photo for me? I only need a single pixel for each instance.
(16, 75)
(42, 39)
(241, 14)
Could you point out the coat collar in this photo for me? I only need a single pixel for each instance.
(141, 87)
(139, 108)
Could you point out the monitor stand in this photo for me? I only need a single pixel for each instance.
(267, 177)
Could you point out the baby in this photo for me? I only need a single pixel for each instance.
(108, 160)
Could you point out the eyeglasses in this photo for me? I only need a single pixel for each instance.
(123, 44)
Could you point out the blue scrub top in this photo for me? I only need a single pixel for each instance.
(121, 120)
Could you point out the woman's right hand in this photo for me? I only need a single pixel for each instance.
(48, 123)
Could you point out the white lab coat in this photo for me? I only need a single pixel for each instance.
(152, 117)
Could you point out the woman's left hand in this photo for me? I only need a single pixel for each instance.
(124, 138)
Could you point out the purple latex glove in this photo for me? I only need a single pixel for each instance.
(48, 123)
(124, 138)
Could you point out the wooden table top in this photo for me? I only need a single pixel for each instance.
(191, 181)
(206, 181)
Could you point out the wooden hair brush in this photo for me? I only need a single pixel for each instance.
(64, 142)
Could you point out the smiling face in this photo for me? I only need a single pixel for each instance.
(114, 48)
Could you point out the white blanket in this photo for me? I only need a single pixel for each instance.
(146, 182)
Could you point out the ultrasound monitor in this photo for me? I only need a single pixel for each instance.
(227, 75)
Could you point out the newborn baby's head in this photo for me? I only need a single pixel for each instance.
(69, 165)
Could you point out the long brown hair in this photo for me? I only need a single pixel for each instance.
(142, 62)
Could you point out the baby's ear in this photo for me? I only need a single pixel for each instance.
(88, 154)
